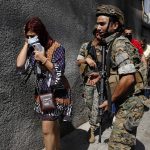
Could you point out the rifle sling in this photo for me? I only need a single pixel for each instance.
(108, 66)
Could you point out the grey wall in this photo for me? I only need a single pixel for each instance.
(70, 22)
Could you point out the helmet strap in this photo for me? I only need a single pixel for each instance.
(108, 25)
(107, 33)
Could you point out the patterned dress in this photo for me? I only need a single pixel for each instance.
(52, 82)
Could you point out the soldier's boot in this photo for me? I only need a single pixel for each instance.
(91, 134)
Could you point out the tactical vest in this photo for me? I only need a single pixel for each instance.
(141, 71)
(113, 76)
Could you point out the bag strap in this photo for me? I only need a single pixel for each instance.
(49, 56)
(108, 56)
(49, 53)
(27, 76)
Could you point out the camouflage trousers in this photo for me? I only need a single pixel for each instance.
(91, 100)
(123, 135)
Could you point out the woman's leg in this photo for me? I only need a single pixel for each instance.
(50, 134)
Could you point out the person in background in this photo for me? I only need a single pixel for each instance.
(48, 63)
(143, 43)
(147, 56)
(128, 32)
(146, 48)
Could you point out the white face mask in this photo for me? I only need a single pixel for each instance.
(33, 40)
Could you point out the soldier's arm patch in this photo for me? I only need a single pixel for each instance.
(83, 51)
(121, 56)
(80, 57)
(126, 69)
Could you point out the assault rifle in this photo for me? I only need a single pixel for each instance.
(104, 90)
(102, 86)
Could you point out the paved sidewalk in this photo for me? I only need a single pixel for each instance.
(77, 140)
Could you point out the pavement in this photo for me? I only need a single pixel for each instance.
(77, 140)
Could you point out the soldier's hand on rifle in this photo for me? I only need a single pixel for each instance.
(104, 105)
(90, 62)
(93, 78)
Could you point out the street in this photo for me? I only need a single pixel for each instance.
(77, 140)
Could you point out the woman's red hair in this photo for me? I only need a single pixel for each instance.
(34, 24)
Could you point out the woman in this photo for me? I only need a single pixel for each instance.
(47, 58)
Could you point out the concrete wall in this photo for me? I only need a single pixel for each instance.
(70, 22)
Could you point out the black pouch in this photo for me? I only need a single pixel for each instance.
(130, 125)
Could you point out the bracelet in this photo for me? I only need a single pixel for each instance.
(44, 61)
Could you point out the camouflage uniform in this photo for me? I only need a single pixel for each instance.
(91, 100)
(130, 106)
(122, 59)
(90, 92)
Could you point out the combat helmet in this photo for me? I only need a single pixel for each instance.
(110, 10)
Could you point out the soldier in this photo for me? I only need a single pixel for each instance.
(87, 65)
(121, 72)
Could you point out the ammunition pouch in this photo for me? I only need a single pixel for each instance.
(113, 81)
(141, 78)
(130, 125)
(139, 86)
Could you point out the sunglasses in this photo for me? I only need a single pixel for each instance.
(30, 36)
